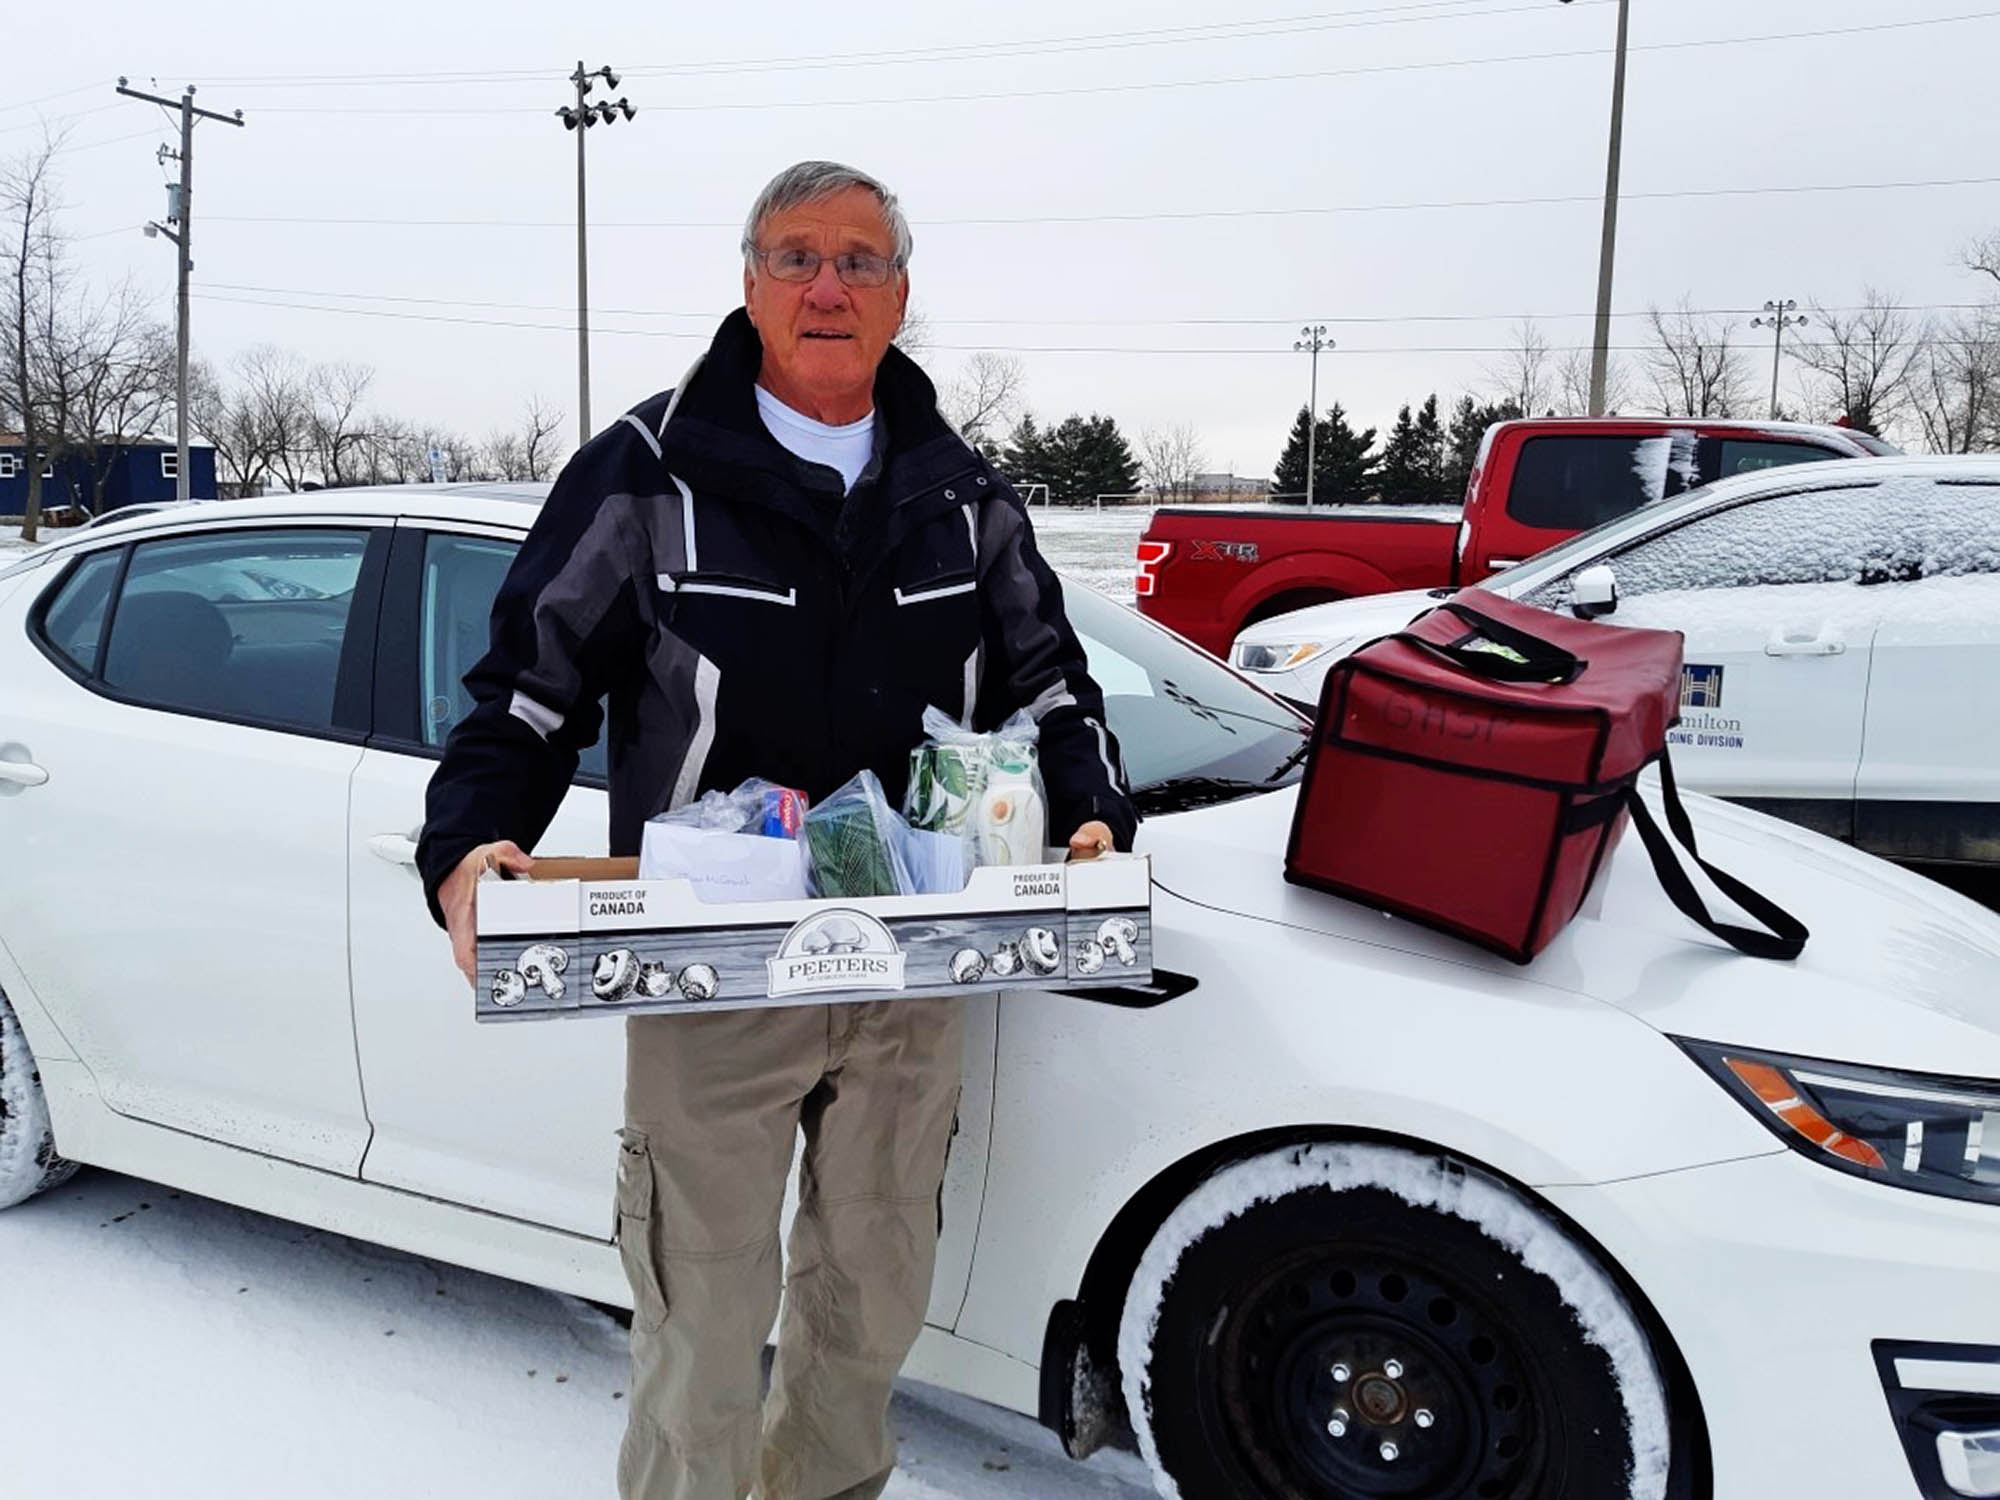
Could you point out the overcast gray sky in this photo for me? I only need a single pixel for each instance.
(1043, 151)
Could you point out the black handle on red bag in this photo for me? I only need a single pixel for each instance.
(1787, 937)
(1544, 662)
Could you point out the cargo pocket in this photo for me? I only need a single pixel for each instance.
(635, 1230)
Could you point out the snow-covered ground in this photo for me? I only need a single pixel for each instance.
(1097, 547)
(168, 1346)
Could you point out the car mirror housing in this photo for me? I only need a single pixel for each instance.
(1594, 592)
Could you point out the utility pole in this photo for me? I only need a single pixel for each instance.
(580, 117)
(1778, 319)
(1600, 348)
(1314, 339)
(180, 214)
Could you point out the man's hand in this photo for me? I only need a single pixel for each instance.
(1089, 841)
(458, 895)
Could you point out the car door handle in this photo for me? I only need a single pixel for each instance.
(1781, 647)
(397, 848)
(22, 773)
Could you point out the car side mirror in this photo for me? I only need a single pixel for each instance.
(1593, 592)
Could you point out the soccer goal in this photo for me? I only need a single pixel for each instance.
(1028, 492)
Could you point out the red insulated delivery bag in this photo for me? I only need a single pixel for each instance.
(1473, 771)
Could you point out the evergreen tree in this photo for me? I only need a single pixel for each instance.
(1431, 452)
(1413, 459)
(1088, 457)
(1025, 460)
(1469, 421)
(1343, 462)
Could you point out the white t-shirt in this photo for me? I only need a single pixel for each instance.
(847, 449)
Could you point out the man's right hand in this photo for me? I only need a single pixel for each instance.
(458, 898)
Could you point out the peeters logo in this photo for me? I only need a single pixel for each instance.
(836, 950)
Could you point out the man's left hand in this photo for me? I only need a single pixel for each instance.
(1091, 840)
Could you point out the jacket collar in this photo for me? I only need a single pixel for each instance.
(714, 437)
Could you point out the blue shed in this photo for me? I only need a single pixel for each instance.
(133, 472)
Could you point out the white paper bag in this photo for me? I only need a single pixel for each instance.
(724, 866)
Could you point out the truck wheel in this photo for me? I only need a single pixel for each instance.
(1335, 1322)
(28, 1160)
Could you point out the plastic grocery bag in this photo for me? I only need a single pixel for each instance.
(731, 846)
(756, 806)
(854, 843)
(936, 861)
(952, 789)
(723, 866)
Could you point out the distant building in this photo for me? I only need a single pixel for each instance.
(133, 472)
(1211, 488)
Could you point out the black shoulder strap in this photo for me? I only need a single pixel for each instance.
(1787, 936)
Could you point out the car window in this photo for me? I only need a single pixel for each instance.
(1896, 531)
(1574, 482)
(73, 619)
(245, 624)
(461, 576)
(1747, 456)
(1190, 729)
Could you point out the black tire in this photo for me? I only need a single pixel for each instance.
(28, 1160)
(1339, 1322)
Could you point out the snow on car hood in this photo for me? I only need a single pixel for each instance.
(1900, 972)
(1344, 619)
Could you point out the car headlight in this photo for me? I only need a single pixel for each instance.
(1911, 1130)
(1277, 656)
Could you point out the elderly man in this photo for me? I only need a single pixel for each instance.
(770, 571)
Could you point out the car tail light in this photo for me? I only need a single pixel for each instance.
(1151, 555)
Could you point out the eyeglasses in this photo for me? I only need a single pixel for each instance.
(853, 267)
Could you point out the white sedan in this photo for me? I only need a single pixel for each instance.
(1841, 621)
(1338, 1207)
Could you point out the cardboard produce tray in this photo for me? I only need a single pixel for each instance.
(587, 937)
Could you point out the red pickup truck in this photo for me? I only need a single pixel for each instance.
(1208, 571)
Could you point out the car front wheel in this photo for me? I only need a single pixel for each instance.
(28, 1160)
(1332, 1322)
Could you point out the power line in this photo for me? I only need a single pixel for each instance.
(712, 315)
(81, 88)
(1256, 350)
(1377, 15)
(1158, 85)
(1160, 216)
(57, 120)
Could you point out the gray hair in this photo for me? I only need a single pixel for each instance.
(810, 181)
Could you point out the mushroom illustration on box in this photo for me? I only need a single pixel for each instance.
(587, 937)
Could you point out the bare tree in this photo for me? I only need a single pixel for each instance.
(541, 449)
(1572, 385)
(1859, 362)
(1524, 376)
(1170, 458)
(227, 419)
(336, 434)
(914, 336)
(123, 385)
(984, 400)
(1696, 370)
(32, 266)
(278, 390)
(1984, 256)
(1954, 384)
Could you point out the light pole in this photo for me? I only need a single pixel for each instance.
(1778, 321)
(579, 118)
(1600, 347)
(1312, 341)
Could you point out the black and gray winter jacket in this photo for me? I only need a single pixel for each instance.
(740, 617)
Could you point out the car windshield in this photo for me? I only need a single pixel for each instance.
(1192, 732)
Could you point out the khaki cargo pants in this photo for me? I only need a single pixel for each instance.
(713, 1103)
